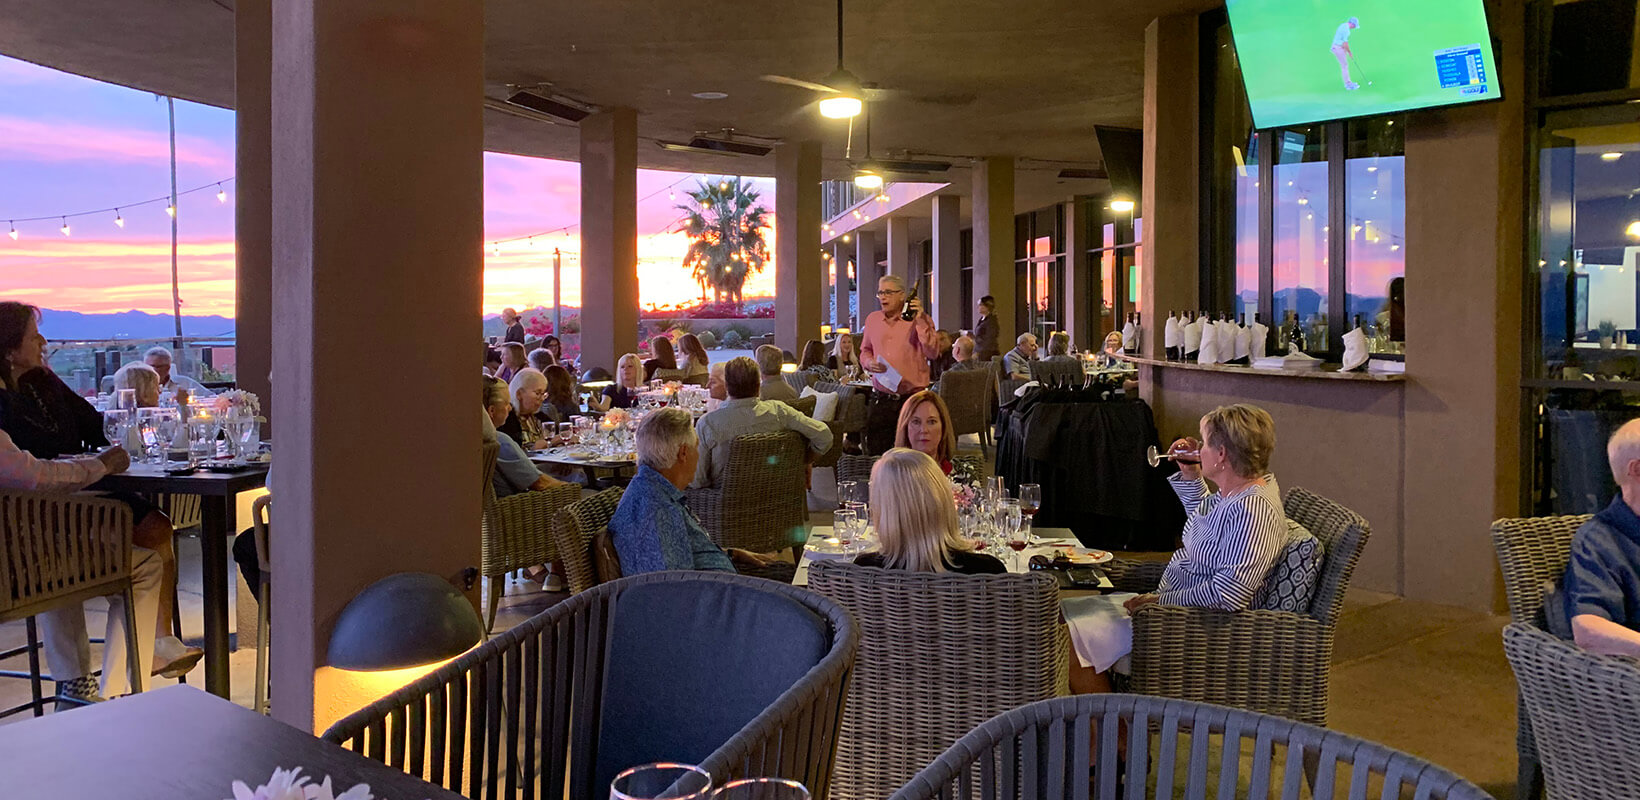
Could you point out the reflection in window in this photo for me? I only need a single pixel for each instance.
(1301, 232)
(1232, 207)
(1375, 263)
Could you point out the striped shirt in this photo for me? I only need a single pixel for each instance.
(1230, 544)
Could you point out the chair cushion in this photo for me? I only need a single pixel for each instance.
(606, 560)
(691, 663)
(1293, 579)
(825, 403)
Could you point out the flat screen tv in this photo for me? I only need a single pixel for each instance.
(1310, 61)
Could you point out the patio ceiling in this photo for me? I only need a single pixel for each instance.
(968, 77)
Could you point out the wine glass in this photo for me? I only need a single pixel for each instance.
(842, 527)
(996, 489)
(845, 492)
(1030, 500)
(762, 789)
(116, 423)
(1008, 519)
(661, 781)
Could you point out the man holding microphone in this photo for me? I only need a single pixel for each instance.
(896, 343)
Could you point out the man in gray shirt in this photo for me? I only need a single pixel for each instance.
(769, 362)
(743, 414)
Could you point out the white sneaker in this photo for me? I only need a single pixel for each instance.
(554, 583)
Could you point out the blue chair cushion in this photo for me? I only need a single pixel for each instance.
(691, 663)
(1297, 570)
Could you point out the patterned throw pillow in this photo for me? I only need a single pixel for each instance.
(1293, 578)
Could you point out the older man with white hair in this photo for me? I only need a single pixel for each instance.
(1602, 582)
(1017, 362)
(894, 351)
(652, 528)
(160, 359)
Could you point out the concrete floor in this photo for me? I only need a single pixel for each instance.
(1430, 680)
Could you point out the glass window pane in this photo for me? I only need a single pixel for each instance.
(1138, 260)
(1232, 207)
(1301, 232)
(1375, 269)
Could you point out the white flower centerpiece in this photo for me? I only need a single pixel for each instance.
(291, 784)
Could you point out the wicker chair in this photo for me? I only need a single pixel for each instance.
(1273, 662)
(850, 417)
(61, 550)
(573, 533)
(260, 529)
(541, 710)
(1583, 707)
(762, 505)
(1532, 553)
(1058, 373)
(1004, 384)
(800, 380)
(939, 653)
(1044, 750)
(968, 395)
(518, 534)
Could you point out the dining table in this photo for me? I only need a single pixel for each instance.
(179, 742)
(588, 460)
(1044, 541)
(217, 490)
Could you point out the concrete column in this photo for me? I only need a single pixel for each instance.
(377, 231)
(947, 301)
(609, 237)
(839, 285)
(1168, 278)
(798, 297)
(866, 271)
(994, 241)
(253, 201)
(1081, 280)
(899, 250)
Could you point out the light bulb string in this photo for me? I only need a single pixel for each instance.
(122, 206)
(572, 226)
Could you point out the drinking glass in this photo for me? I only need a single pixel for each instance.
(842, 527)
(762, 789)
(116, 423)
(1008, 521)
(996, 489)
(661, 781)
(1030, 500)
(125, 398)
(203, 426)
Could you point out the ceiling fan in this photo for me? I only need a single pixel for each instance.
(869, 174)
(845, 93)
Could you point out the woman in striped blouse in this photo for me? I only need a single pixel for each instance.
(1232, 537)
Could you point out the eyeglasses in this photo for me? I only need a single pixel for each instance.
(891, 293)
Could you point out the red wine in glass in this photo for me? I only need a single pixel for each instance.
(1018, 545)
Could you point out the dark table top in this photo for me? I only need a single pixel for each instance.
(177, 743)
(144, 478)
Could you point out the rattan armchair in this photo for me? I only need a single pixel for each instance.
(1532, 554)
(762, 504)
(1583, 709)
(1273, 662)
(61, 550)
(1058, 373)
(547, 709)
(1044, 750)
(849, 417)
(575, 529)
(518, 534)
(939, 653)
(967, 393)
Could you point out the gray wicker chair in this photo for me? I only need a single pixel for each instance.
(1532, 554)
(1058, 373)
(968, 396)
(939, 654)
(574, 531)
(1273, 662)
(61, 550)
(762, 505)
(850, 417)
(1583, 709)
(1043, 750)
(800, 380)
(526, 714)
(1001, 381)
(517, 533)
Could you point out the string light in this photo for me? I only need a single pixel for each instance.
(119, 221)
(65, 226)
(221, 194)
(170, 210)
(13, 231)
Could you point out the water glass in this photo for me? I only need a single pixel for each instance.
(762, 789)
(126, 399)
(661, 781)
(116, 423)
(203, 426)
(996, 489)
(842, 527)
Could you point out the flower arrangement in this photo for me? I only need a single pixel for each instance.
(615, 417)
(291, 784)
(962, 473)
(247, 403)
(966, 494)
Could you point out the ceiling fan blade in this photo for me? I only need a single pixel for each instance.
(801, 84)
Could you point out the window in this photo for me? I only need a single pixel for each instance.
(1375, 253)
(1039, 245)
(1302, 229)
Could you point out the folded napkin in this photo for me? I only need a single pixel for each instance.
(1209, 352)
(1228, 333)
(1100, 627)
(1172, 334)
(1355, 349)
(1386, 366)
(1298, 360)
(1244, 341)
(1258, 341)
(1129, 333)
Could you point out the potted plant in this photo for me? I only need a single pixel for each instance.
(1608, 331)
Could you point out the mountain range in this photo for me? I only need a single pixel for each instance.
(57, 324)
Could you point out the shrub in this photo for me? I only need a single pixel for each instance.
(707, 339)
(742, 333)
(762, 312)
(733, 340)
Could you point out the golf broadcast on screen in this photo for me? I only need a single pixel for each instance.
(1314, 60)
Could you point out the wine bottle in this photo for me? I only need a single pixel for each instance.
(905, 310)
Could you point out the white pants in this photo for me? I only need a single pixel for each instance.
(68, 649)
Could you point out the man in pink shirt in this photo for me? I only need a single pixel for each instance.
(891, 346)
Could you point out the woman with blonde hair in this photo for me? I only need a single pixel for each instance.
(696, 363)
(843, 354)
(141, 378)
(628, 375)
(915, 515)
(925, 426)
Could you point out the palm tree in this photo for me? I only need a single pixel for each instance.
(725, 226)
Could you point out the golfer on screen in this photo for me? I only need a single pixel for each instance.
(1341, 50)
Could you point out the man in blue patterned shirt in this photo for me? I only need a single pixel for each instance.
(652, 528)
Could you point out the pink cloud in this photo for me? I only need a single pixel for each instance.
(42, 141)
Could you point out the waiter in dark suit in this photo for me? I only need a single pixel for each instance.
(985, 331)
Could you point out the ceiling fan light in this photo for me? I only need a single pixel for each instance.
(867, 179)
(841, 106)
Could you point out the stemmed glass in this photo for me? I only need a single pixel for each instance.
(1030, 499)
(1008, 519)
(166, 422)
(842, 527)
(661, 781)
(762, 789)
(116, 424)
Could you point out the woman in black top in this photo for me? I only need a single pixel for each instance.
(666, 357)
(916, 517)
(625, 391)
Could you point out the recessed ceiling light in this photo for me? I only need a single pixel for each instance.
(709, 95)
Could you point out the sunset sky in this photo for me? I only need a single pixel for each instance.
(69, 145)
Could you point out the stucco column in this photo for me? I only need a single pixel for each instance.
(994, 241)
(1081, 282)
(946, 304)
(866, 271)
(798, 297)
(377, 232)
(899, 250)
(1172, 188)
(609, 237)
(253, 201)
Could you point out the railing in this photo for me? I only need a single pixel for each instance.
(837, 197)
(87, 364)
